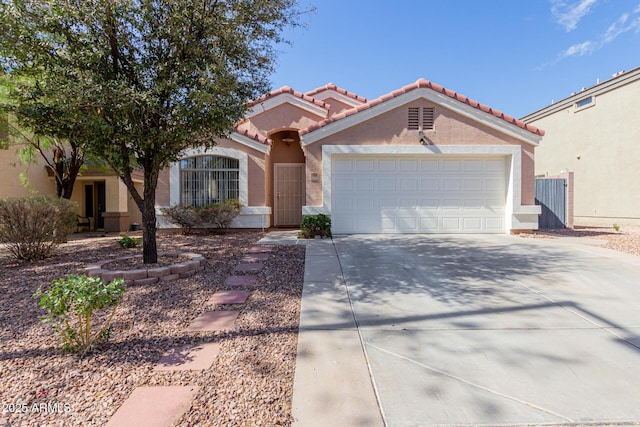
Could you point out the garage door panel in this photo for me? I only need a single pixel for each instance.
(392, 194)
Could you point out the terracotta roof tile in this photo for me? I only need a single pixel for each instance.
(331, 86)
(253, 135)
(287, 89)
(425, 84)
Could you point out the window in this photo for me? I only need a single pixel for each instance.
(418, 122)
(585, 102)
(208, 179)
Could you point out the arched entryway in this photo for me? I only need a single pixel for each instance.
(287, 186)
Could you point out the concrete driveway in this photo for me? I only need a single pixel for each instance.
(467, 330)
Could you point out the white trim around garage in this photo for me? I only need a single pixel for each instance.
(517, 216)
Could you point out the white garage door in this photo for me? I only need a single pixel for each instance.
(431, 194)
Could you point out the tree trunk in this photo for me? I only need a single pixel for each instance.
(149, 247)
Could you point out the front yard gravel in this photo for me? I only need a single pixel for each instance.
(249, 384)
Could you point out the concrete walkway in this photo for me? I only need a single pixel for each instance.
(466, 330)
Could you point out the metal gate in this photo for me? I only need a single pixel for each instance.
(551, 195)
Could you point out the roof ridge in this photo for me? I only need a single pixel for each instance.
(332, 86)
(423, 83)
(286, 89)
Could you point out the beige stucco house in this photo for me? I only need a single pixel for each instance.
(100, 195)
(421, 159)
(595, 134)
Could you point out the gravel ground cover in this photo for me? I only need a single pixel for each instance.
(249, 384)
(626, 239)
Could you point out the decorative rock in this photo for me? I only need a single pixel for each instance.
(241, 280)
(147, 281)
(187, 274)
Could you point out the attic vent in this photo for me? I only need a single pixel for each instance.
(418, 121)
(427, 118)
(414, 118)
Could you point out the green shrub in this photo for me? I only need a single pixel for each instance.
(616, 227)
(127, 241)
(184, 216)
(33, 226)
(220, 215)
(71, 303)
(315, 225)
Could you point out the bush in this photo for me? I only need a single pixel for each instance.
(71, 303)
(129, 242)
(315, 225)
(184, 216)
(33, 226)
(219, 215)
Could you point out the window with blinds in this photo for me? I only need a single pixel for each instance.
(209, 179)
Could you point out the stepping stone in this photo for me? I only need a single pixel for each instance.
(214, 321)
(189, 358)
(260, 249)
(241, 280)
(154, 406)
(229, 297)
(252, 267)
(256, 257)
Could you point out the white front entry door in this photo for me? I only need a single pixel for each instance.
(288, 193)
(418, 194)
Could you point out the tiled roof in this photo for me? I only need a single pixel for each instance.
(331, 86)
(426, 84)
(253, 135)
(287, 89)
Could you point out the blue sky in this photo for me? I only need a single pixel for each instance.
(514, 55)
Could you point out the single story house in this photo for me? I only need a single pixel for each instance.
(421, 159)
(594, 134)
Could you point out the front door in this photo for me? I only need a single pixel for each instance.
(102, 203)
(288, 194)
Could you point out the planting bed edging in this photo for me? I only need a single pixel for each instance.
(147, 276)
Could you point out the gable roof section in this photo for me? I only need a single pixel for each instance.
(429, 90)
(286, 95)
(330, 90)
(251, 139)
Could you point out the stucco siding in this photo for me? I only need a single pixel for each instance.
(599, 144)
(10, 169)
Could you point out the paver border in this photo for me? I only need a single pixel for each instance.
(195, 263)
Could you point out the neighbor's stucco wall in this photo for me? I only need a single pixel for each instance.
(391, 129)
(600, 144)
(10, 169)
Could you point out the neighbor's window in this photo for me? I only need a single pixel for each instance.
(209, 179)
(585, 102)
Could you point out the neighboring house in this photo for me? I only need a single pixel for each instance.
(100, 195)
(421, 159)
(596, 135)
